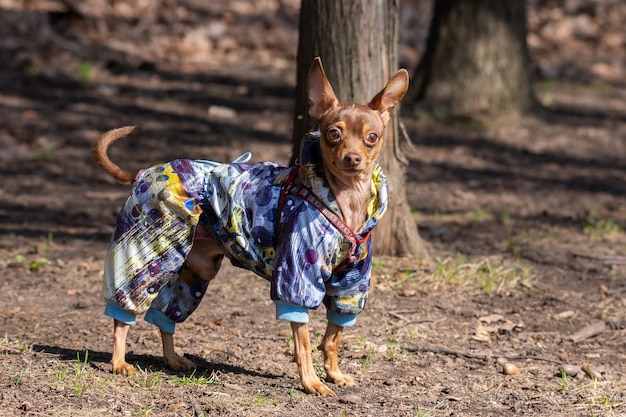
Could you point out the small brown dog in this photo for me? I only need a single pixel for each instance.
(305, 229)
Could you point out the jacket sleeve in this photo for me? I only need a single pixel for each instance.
(348, 288)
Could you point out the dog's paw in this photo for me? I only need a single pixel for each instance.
(123, 368)
(179, 363)
(340, 379)
(318, 388)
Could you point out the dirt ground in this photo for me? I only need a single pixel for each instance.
(524, 219)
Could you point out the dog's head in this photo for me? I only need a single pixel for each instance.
(351, 134)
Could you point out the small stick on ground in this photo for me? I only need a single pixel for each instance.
(196, 407)
(588, 331)
(606, 260)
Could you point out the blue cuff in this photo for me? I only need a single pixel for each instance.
(345, 320)
(159, 319)
(114, 310)
(290, 312)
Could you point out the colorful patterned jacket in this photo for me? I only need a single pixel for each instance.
(288, 241)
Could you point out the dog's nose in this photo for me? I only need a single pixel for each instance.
(353, 159)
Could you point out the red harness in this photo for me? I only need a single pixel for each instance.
(300, 190)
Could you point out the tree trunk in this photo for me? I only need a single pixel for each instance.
(476, 58)
(357, 41)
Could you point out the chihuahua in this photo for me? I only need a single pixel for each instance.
(306, 229)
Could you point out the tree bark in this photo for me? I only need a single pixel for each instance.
(357, 41)
(476, 58)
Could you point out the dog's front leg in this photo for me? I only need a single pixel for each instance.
(120, 366)
(330, 349)
(304, 359)
(172, 359)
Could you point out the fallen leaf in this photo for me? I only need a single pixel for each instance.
(481, 334)
(216, 323)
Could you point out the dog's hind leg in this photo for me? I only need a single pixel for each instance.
(120, 366)
(172, 359)
(330, 348)
(189, 291)
(182, 296)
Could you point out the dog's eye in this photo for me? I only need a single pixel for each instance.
(334, 135)
(371, 138)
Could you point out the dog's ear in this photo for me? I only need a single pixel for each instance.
(319, 91)
(391, 95)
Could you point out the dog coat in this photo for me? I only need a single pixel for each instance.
(265, 219)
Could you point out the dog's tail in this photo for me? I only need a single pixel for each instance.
(99, 151)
